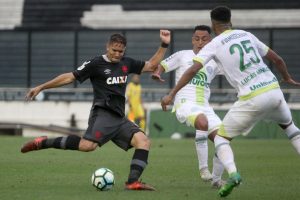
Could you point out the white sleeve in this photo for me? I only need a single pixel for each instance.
(172, 62)
(261, 47)
(206, 54)
(214, 68)
(218, 70)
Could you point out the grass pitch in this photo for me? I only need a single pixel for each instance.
(270, 170)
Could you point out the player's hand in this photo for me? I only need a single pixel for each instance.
(166, 100)
(33, 93)
(290, 81)
(157, 77)
(165, 36)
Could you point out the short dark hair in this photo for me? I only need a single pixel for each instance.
(202, 28)
(221, 14)
(118, 38)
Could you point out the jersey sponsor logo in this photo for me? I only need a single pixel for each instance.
(83, 65)
(263, 84)
(116, 80)
(107, 71)
(200, 79)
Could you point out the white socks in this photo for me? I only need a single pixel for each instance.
(225, 153)
(201, 148)
(293, 134)
(218, 169)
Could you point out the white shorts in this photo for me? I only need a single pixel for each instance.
(188, 111)
(243, 115)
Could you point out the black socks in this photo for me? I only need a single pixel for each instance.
(138, 164)
(70, 142)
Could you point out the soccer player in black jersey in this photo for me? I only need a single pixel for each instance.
(108, 74)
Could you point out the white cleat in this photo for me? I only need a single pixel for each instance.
(205, 174)
(217, 184)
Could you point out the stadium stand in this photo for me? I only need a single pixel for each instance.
(10, 13)
(53, 14)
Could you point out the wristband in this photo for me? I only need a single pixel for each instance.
(164, 45)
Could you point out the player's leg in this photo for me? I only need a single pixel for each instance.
(139, 161)
(239, 120)
(225, 155)
(71, 142)
(201, 126)
(217, 173)
(218, 168)
(213, 126)
(93, 136)
(293, 133)
(282, 115)
(129, 135)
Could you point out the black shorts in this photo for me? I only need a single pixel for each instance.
(105, 125)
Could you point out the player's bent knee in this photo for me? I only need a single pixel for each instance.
(140, 141)
(201, 123)
(86, 145)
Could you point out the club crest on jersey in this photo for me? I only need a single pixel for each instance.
(124, 68)
(200, 79)
(116, 80)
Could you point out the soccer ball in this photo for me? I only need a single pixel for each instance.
(103, 179)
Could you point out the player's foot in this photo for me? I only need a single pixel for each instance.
(233, 181)
(33, 145)
(205, 174)
(137, 185)
(217, 184)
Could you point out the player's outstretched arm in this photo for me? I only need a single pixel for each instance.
(156, 74)
(58, 81)
(185, 78)
(151, 64)
(281, 67)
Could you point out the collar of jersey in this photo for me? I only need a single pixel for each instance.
(106, 58)
(227, 31)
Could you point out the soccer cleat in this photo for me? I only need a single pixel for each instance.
(33, 145)
(217, 184)
(233, 181)
(137, 185)
(205, 174)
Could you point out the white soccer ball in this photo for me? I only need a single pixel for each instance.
(103, 179)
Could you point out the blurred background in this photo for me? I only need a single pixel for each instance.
(40, 39)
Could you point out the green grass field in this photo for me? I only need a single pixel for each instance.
(270, 170)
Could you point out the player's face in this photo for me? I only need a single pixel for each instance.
(115, 52)
(200, 39)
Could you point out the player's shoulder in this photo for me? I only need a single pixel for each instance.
(185, 51)
(182, 52)
(95, 60)
(179, 54)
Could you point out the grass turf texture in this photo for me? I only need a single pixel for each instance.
(270, 170)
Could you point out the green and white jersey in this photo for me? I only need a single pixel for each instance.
(197, 90)
(239, 55)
